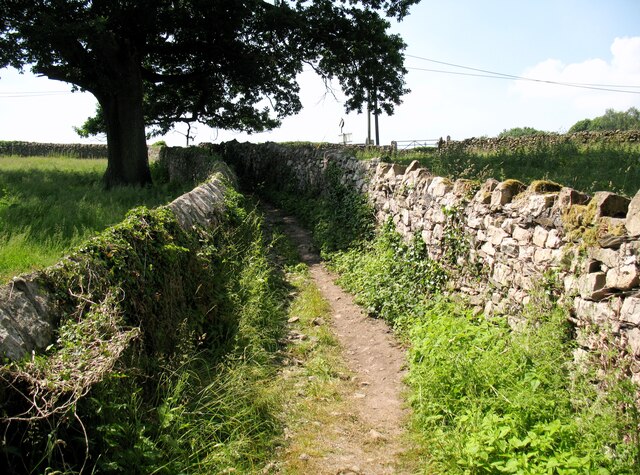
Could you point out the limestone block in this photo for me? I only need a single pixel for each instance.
(608, 257)
(416, 178)
(26, 320)
(394, 171)
(610, 205)
(623, 278)
(438, 231)
(553, 239)
(535, 205)
(406, 217)
(463, 187)
(505, 192)
(381, 169)
(483, 195)
(423, 185)
(556, 257)
(509, 247)
(598, 313)
(488, 249)
(525, 253)
(508, 225)
(528, 282)
(488, 308)
(591, 286)
(413, 166)
(475, 222)
(440, 186)
(633, 339)
(424, 200)
(610, 241)
(451, 200)
(416, 221)
(516, 295)
(426, 235)
(540, 236)
(633, 216)
(630, 311)
(496, 235)
(437, 215)
(482, 236)
(631, 248)
(542, 256)
(502, 274)
(570, 282)
(522, 235)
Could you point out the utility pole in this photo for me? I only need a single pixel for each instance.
(375, 113)
(369, 118)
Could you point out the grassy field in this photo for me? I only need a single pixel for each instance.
(588, 168)
(49, 205)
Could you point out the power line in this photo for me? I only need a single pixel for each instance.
(498, 75)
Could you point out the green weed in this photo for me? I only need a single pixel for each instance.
(487, 399)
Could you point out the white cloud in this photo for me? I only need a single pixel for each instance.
(622, 68)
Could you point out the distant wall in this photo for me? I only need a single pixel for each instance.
(33, 149)
(493, 144)
(191, 164)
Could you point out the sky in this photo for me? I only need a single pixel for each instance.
(594, 43)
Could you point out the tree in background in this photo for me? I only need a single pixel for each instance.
(611, 120)
(520, 132)
(231, 64)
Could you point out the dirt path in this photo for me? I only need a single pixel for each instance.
(370, 439)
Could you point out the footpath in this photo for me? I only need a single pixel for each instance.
(366, 434)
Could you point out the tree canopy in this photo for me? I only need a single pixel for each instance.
(520, 132)
(611, 120)
(231, 64)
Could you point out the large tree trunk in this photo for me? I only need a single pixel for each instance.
(122, 106)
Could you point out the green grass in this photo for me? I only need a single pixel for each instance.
(587, 168)
(487, 399)
(50, 205)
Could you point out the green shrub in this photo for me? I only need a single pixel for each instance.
(388, 276)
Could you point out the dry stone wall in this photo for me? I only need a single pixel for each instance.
(27, 305)
(34, 149)
(494, 144)
(516, 240)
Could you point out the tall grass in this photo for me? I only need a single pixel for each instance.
(585, 167)
(49, 205)
(207, 409)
